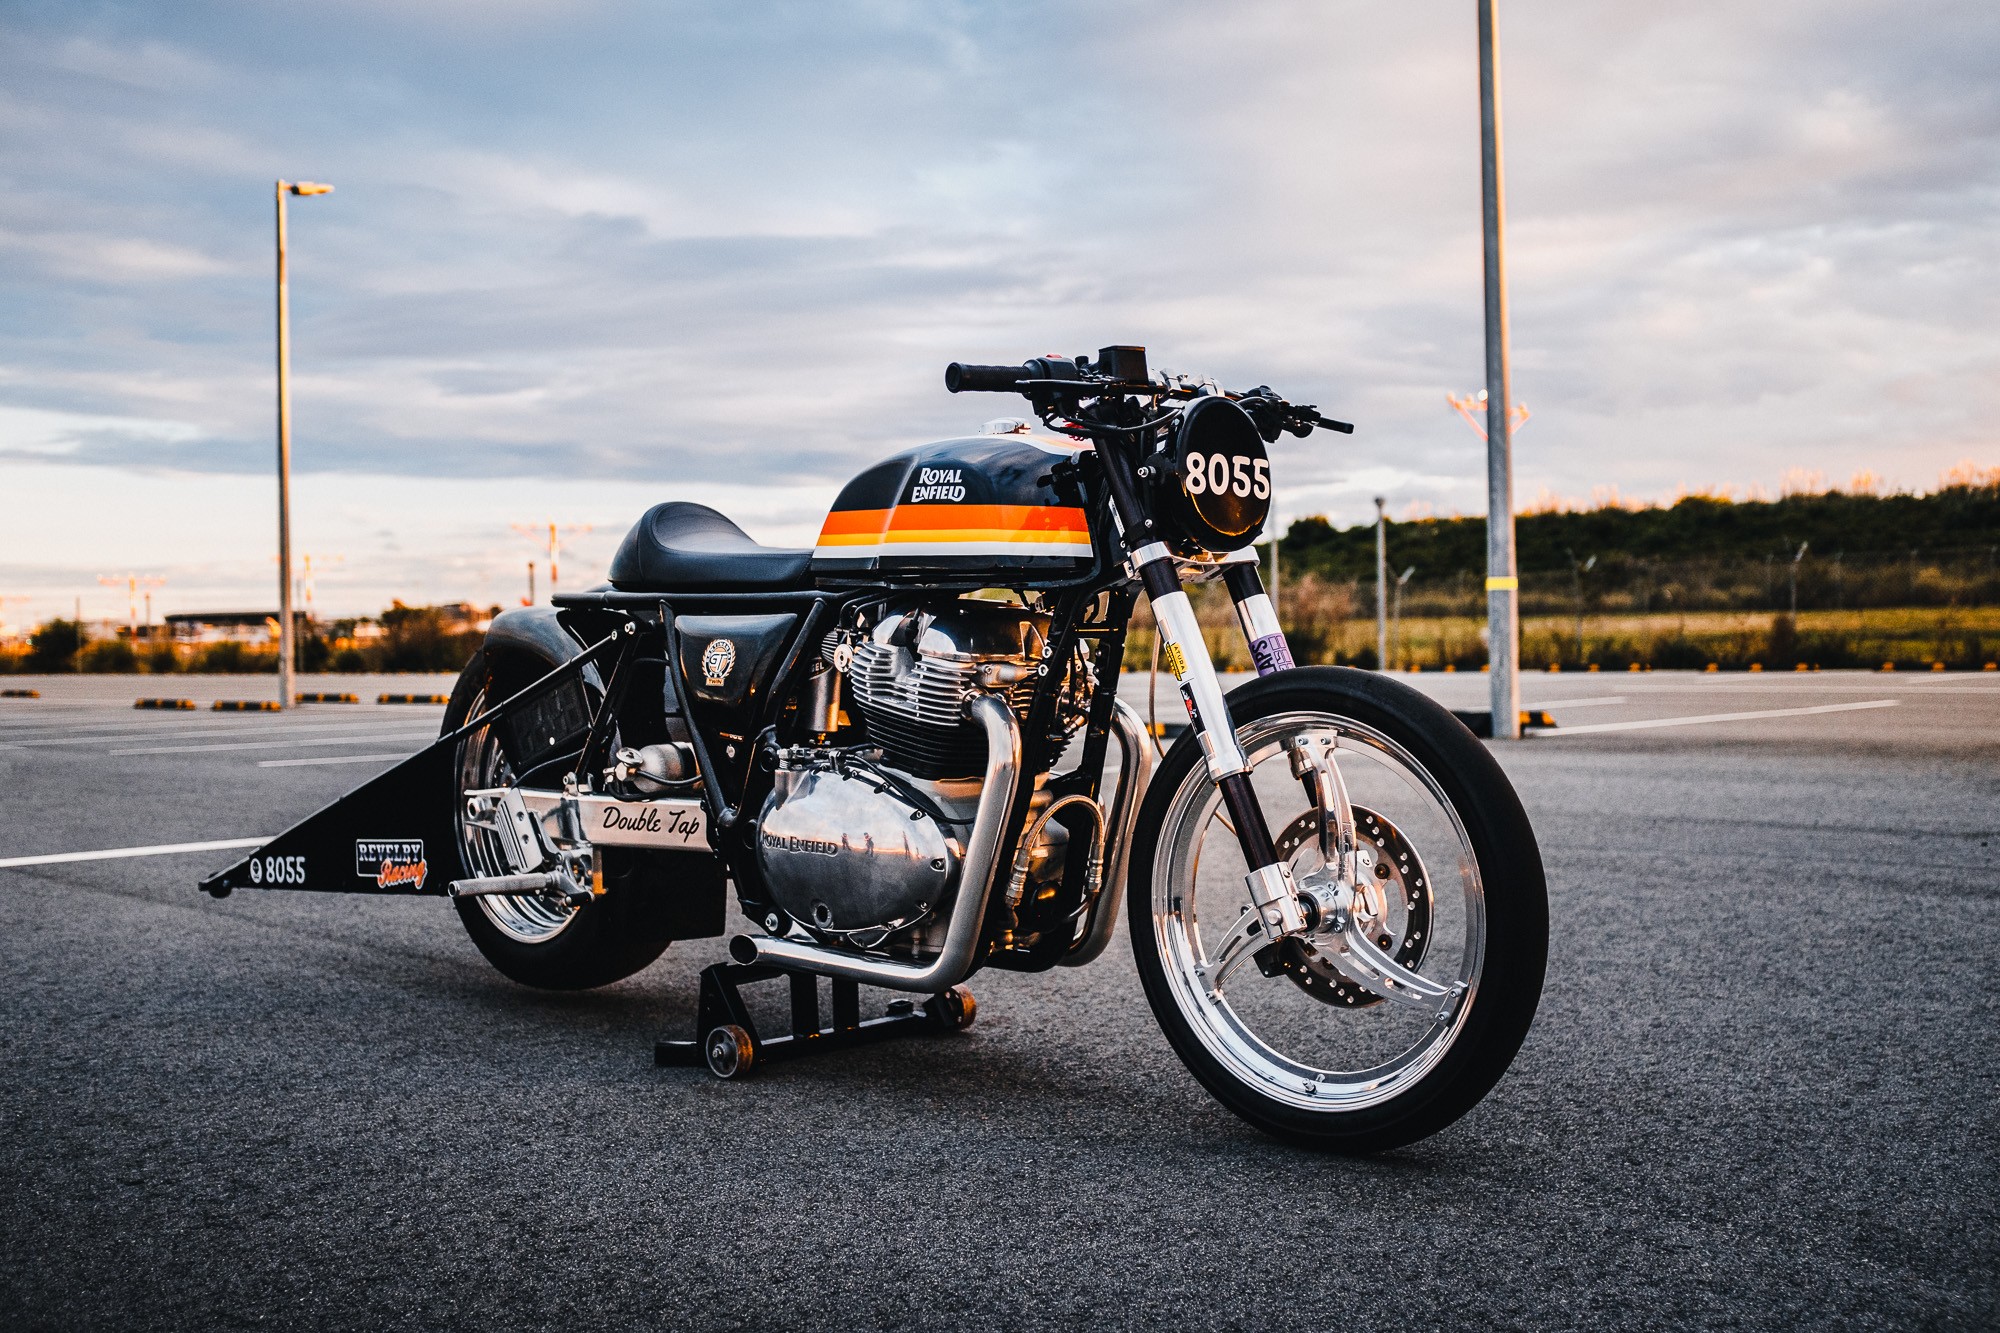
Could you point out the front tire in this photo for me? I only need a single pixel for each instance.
(530, 939)
(1302, 1051)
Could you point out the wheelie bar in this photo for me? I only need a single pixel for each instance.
(727, 1041)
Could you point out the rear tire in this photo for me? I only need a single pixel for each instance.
(1340, 1070)
(526, 938)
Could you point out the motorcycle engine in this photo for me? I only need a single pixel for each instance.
(865, 841)
(913, 668)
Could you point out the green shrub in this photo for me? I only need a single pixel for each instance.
(109, 656)
(53, 647)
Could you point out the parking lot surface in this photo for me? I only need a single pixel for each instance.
(1760, 1091)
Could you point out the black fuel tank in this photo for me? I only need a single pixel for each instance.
(984, 503)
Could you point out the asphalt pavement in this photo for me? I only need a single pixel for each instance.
(1760, 1092)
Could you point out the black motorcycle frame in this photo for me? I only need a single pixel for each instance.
(617, 633)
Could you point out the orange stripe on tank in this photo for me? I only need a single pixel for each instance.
(956, 522)
(957, 537)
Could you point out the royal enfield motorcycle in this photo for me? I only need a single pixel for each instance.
(903, 754)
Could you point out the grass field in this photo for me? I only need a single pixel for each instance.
(1910, 638)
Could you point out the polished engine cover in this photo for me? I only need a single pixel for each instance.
(843, 854)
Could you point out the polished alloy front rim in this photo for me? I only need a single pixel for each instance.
(1270, 1031)
(526, 917)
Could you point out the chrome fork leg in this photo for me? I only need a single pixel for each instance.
(1186, 655)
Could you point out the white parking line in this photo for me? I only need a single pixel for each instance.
(1712, 717)
(244, 728)
(281, 745)
(330, 759)
(1789, 684)
(1595, 701)
(116, 853)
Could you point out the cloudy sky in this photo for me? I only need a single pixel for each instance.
(586, 256)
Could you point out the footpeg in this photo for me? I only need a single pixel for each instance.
(547, 882)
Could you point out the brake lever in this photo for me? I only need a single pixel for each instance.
(1305, 417)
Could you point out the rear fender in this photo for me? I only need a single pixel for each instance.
(523, 646)
(529, 641)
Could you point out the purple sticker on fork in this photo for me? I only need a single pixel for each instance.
(1271, 653)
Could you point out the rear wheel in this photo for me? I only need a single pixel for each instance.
(1446, 883)
(530, 938)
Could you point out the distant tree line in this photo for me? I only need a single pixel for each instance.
(413, 638)
(1821, 551)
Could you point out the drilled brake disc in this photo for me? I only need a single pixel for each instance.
(1396, 909)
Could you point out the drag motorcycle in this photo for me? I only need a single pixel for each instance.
(903, 752)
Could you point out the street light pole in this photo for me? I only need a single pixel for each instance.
(1381, 588)
(1397, 615)
(286, 647)
(1503, 581)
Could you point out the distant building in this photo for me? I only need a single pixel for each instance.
(466, 616)
(261, 627)
(230, 626)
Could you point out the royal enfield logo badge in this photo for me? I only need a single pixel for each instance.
(934, 484)
(779, 842)
(393, 863)
(717, 661)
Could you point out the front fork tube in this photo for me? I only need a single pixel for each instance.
(1259, 618)
(1186, 656)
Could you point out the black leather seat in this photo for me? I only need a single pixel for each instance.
(678, 546)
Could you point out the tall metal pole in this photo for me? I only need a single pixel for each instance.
(1503, 581)
(1381, 588)
(284, 466)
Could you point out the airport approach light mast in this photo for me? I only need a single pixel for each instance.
(132, 584)
(549, 537)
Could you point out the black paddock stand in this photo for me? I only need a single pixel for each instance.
(727, 1041)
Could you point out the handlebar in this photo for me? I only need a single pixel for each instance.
(983, 379)
(1116, 366)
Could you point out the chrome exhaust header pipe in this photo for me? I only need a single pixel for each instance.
(1135, 770)
(976, 878)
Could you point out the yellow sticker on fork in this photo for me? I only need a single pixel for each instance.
(1175, 659)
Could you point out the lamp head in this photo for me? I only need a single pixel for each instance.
(309, 187)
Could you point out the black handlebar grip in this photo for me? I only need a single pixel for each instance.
(983, 379)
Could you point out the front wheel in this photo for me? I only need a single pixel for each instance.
(1295, 1036)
